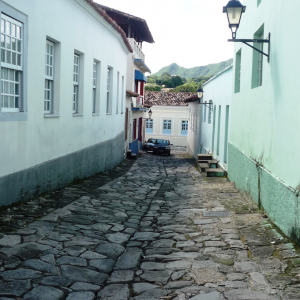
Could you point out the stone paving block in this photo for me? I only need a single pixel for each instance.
(202, 276)
(81, 296)
(153, 266)
(92, 255)
(121, 276)
(102, 265)
(10, 240)
(40, 265)
(20, 274)
(154, 294)
(141, 287)
(76, 274)
(14, 288)
(159, 277)
(163, 243)
(246, 294)
(110, 250)
(58, 281)
(145, 236)
(245, 267)
(83, 286)
(208, 296)
(45, 293)
(74, 261)
(118, 238)
(115, 292)
(129, 259)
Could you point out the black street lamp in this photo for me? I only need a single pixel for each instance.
(234, 10)
(200, 93)
(150, 113)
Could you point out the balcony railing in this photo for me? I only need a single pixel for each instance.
(137, 51)
(137, 102)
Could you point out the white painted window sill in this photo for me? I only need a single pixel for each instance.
(93, 114)
(77, 115)
(109, 114)
(51, 116)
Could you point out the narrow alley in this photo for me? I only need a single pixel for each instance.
(160, 230)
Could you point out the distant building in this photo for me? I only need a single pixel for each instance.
(137, 32)
(63, 85)
(170, 118)
(210, 121)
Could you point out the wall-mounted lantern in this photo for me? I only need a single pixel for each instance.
(200, 93)
(234, 10)
(150, 113)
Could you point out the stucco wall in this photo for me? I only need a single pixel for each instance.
(219, 91)
(193, 138)
(264, 123)
(73, 26)
(174, 113)
(264, 135)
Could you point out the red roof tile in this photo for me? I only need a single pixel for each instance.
(102, 13)
(166, 99)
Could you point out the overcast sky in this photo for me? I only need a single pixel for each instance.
(190, 33)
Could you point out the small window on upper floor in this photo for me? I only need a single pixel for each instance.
(257, 63)
(238, 60)
(108, 91)
(210, 108)
(258, 2)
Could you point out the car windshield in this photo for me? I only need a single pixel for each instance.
(152, 141)
(164, 142)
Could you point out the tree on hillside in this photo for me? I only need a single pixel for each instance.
(154, 88)
(187, 87)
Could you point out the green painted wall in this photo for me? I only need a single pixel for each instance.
(279, 201)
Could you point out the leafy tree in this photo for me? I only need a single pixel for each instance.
(154, 88)
(187, 87)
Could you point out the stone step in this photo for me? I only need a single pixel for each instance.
(205, 157)
(217, 172)
(133, 156)
(212, 163)
(203, 167)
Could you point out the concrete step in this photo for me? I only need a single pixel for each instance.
(205, 157)
(203, 167)
(217, 172)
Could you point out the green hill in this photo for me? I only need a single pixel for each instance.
(211, 69)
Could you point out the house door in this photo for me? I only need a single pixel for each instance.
(140, 129)
(134, 130)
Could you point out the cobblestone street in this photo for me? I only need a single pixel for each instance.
(160, 230)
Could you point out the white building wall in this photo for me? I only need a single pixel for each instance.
(212, 135)
(193, 138)
(74, 26)
(174, 113)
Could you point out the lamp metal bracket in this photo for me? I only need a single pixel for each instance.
(246, 41)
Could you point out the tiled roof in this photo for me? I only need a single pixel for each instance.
(166, 99)
(102, 13)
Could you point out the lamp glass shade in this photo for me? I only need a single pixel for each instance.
(200, 93)
(150, 113)
(234, 15)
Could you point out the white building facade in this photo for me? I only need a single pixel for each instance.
(60, 89)
(210, 132)
(264, 135)
(170, 117)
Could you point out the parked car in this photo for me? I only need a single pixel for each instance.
(162, 147)
(148, 146)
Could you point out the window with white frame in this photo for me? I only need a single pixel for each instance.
(167, 126)
(122, 96)
(260, 62)
(149, 126)
(94, 86)
(108, 91)
(49, 78)
(257, 59)
(118, 91)
(11, 64)
(75, 83)
(184, 127)
(238, 61)
(205, 106)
